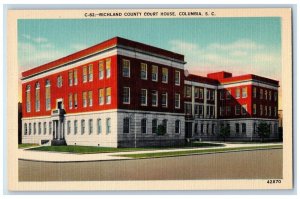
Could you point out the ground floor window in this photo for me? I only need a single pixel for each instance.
(237, 127)
(254, 128)
(90, 126)
(165, 125)
(202, 128)
(40, 128)
(50, 128)
(275, 128)
(213, 128)
(154, 126)
(45, 128)
(69, 127)
(108, 126)
(82, 126)
(29, 128)
(75, 127)
(177, 126)
(207, 129)
(34, 128)
(25, 129)
(243, 127)
(196, 128)
(99, 126)
(144, 125)
(126, 125)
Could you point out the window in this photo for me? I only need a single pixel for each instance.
(108, 126)
(37, 97)
(90, 77)
(201, 128)
(75, 127)
(177, 126)
(25, 129)
(275, 128)
(196, 128)
(243, 127)
(207, 110)
(244, 92)
(144, 125)
(261, 93)
(126, 68)
(237, 93)
(101, 69)
(221, 94)
(69, 127)
(82, 127)
(188, 91)
(165, 125)
(90, 126)
(70, 78)
(177, 77)
(75, 77)
(107, 64)
(244, 109)
(228, 110)
(212, 95)
(196, 90)
(222, 110)
(90, 98)
(75, 100)
(108, 95)
(126, 95)
(201, 93)
(201, 108)
(143, 71)
(196, 109)
(154, 98)
(70, 101)
(270, 111)
(59, 81)
(270, 95)
(164, 75)
(266, 110)
(275, 111)
(237, 127)
(48, 100)
(101, 96)
(144, 97)
(254, 109)
(84, 74)
(126, 125)
(99, 126)
(213, 128)
(164, 100)
(50, 128)
(177, 100)
(237, 109)
(34, 128)
(254, 92)
(208, 94)
(188, 109)
(254, 128)
(84, 100)
(207, 129)
(266, 95)
(261, 109)
(154, 126)
(29, 128)
(275, 96)
(228, 94)
(154, 73)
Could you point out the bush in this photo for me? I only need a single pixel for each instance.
(161, 130)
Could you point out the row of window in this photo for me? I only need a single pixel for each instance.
(199, 109)
(199, 93)
(37, 96)
(237, 93)
(154, 98)
(264, 110)
(263, 94)
(154, 72)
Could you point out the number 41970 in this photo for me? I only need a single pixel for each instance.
(273, 181)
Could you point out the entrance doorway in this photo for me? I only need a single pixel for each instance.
(188, 129)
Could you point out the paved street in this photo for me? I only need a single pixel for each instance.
(258, 164)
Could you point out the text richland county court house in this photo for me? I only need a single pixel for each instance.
(122, 93)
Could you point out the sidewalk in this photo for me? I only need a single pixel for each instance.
(70, 157)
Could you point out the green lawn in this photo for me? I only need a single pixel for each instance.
(22, 146)
(196, 151)
(94, 149)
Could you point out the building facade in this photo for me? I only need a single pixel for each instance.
(122, 93)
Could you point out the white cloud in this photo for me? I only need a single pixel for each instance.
(26, 36)
(40, 40)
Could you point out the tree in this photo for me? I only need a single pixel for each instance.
(224, 132)
(161, 130)
(263, 130)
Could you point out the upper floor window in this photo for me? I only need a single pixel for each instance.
(59, 81)
(154, 98)
(90, 77)
(126, 68)
(261, 93)
(37, 97)
(75, 100)
(70, 78)
(266, 110)
(177, 100)
(254, 109)
(154, 73)
(222, 92)
(75, 77)
(266, 95)
(108, 95)
(275, 111)
(275, 96)
(108, 67)
(244, 109)
(101, 96)
(84, 74)
(143, 71)
(28, 102)
(48, 107)
(196, 92)
(201, 93)
(212, 95)
(101, 69)
(254, 92)
(164, 100)
(188, 91)
(70, 101)
(177, 77)
(228, 94)
(244, 92)
(90, 98)
(237, 109)
(237, 93)
(228, 110)
(261, 109)
(84, 99)
(144, 97)
(270, 111)
(270, 95)
(208, 94)
(126, 95)
(164, 75)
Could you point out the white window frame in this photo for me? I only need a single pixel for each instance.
(99, 126)
(179, 128)
(177, 94)
(177, 83)
(146, 73)
(146, 97)
(167, 76)
(108, 125)
(155, 93)
(164, 105)
(156, 74)
(123, 61)
(237, 112)
(126, 102)
(244, 109)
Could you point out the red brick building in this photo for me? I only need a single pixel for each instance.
(124, 93)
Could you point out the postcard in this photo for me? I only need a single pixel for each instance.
(149, 99)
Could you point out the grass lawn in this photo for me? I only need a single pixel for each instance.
(192, 152)
(94, 149)
(22, 146)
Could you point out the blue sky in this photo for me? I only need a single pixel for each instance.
(237, 45)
